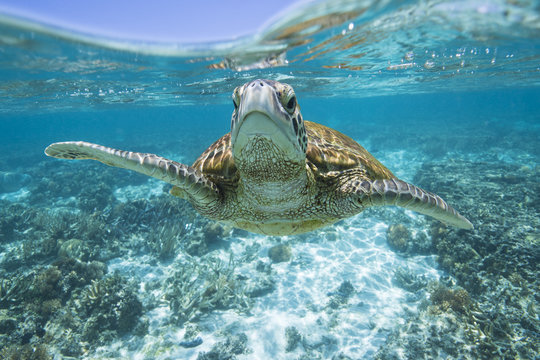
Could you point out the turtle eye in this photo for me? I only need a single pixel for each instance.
(236, 99)
(292, 103)
(289, 101)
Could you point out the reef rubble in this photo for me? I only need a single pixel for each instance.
(486, 308)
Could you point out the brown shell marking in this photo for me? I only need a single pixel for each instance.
(217, 159)
(216, 163)
(330, 150)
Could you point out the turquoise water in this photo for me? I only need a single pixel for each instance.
(97, 262)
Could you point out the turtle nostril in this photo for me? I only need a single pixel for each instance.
(261, 83)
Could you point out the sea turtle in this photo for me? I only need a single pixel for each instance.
(275, 173)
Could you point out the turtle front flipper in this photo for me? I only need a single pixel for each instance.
(399, 193)
(196, 188)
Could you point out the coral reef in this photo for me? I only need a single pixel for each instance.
(56, 297)
(109, 305)
(30, 302)
(54, 179)
(205, 237)
(25, 352)
(95, 315)
(200, 287)
(398, 237)
(444, 299)
(167, 224)
(165, 240)
(405, 279)
(70, 306)
(491, 314)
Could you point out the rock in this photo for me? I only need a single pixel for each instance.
(262, 285)
(7, 324)
(293, 337)
(191, 343)
(398, 237)
(233, 345)
(280, 253)
(341, 295)
(72, 248)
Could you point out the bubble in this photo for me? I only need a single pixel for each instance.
(429, 64)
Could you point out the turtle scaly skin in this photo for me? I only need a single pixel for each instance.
(275, 173)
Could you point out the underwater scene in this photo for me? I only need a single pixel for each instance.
(99, 262)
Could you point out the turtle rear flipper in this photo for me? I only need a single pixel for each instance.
(197, 188)
(400, 193)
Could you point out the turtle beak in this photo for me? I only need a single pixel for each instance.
(260, 116)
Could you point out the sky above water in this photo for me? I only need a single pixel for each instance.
(156, 20)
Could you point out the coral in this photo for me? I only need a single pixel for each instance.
(165, 240)
(25, 352)
(205, 238)
(76, 274)
(38, 299)
(258, 285)
(75, 249)
(60, 226)
(109, 304)
(199, 287)
(341, 295)
(226, 350)
(491, 313)
(16, 220)
(455, 299)
(280, 253)
(167, 225)
(7, 323)
(7, 220)
(42, 234)
(59, 179)
(47, 283)
(292, 337)
(406, 280)
(93, 198)
(398, 237)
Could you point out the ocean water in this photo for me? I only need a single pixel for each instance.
(100, 263)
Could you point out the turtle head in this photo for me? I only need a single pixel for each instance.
(267, 129)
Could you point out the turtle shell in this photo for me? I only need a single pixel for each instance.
(328, 150)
